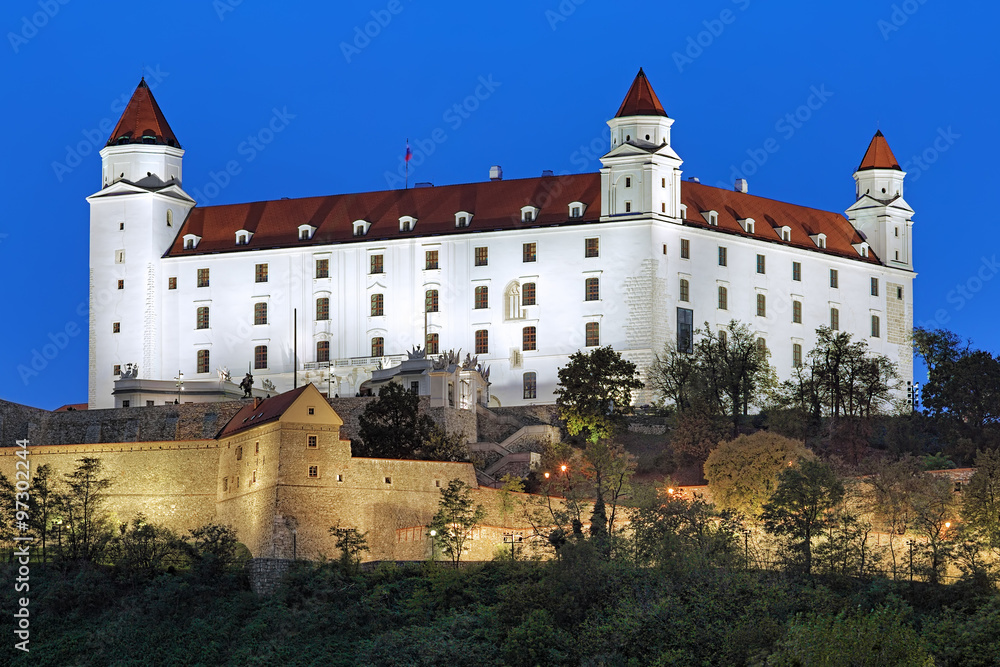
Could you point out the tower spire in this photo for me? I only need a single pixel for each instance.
(878, 155)
(640, 100)
(142, 122)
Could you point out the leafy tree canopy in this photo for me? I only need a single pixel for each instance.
(391, 426)
(595, 392)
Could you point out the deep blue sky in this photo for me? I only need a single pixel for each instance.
(919, 70)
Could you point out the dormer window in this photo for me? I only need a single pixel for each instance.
(407, 223)
(785, 233)
(819, 240)
(149, 137)
(684, 212)
(862, 249)
(191, 241)
(361, 227)
(306, 232)
(711, 217)
(529, 213)
(463, 219)
(576, 209)
(243, 237)
(748, 225)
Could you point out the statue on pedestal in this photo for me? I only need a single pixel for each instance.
(247, 386)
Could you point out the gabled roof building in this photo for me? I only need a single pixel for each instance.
(521, 273)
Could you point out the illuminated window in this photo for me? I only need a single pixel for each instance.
(430, 260)
(260, 273)
(323, 308)
(431, 300)
(202, 322)
(528, 338)
(378, 305)
(482, 297)
(260, 313)
(593, 334)
(482, 256)
(260, 357)
(482, 341)
(528, 294)
(203, 365)
(378, 346)
(322, 268)
(592, 289)
(323, 350)
(591, 247)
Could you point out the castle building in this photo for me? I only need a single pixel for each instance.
(521, 273)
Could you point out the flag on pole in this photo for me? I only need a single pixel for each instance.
(406, 161)
(409, 152)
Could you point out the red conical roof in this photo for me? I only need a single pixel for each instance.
(878, 155)
(143, 118)
(641, 100)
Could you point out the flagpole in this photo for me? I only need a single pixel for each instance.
(406, 159)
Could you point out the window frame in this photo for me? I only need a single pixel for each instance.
(592, 334)
(260, 357)
(482, 341)
(322, 309)
(529, 339)
(322, 269)
(592, 289)
(260, 273)
(481, 297)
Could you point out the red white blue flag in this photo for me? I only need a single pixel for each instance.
(409, 153)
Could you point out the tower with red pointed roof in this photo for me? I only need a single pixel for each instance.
(134, 218)
(641, 175)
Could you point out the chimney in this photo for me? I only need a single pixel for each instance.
(547, 172)
(694, 179)
(741, 185)
(256, 402)
(496, 173)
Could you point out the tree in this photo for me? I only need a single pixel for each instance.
(981, 499)
(214, 547)
(82, 506)
(509, 485)
(595, 392)
(933, 514)
(141, 547)
(352, 543)
(798, 508)
(609, 467)
(889, 497)
(674, 375)
(42, 502)
(743, 473)
(7, 512)
(439, 445)
(457, 516)
(391, 426)
(694, 435)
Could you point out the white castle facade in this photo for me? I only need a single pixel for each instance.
(522, 273)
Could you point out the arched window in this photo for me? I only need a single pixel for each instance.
(482, 297)
(685, 290)
(202, 317)
(592, 289)
(512, 302)
(723, 298)
(203, 364)
(761, 305)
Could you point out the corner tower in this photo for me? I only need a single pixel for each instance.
(133, 220)
(880, 213)
(641, 174)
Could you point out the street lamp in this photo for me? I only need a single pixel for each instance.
(433, 533)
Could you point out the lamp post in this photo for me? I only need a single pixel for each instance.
(746, 548)
(433, 533)
(513, 538)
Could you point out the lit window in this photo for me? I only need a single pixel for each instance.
(202, 319)
(378, 346)
(723, 256)
(312, 441)
(685, 291)
(482, 256)
(378, 305)
(260, 273)
(260, 357)
(203, 364)
(202, 277)
(685, 249)
(875, 326)
(797, 271)
(593, 334)
(834, 319)
(528, 252)
(432, 343)
(430, 260)
(431, 300)
(529, 383)
(591, 247)
(874, 286)
(797, 312)
(528, 294)
(376, 264)
(322, 308)
(833, 278)
(322, 268)
(528, 338)
(796, 355)
(592, 289)
(482, 297)
(171, 283)
(761, 305)
(482, 341)
(323, 350)
(723, 298)
(760, 264)
(260, 313)
(116, 327)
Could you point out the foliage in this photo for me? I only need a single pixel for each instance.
(143, 548)
(352, 543)
(695, 434)
(799, 507)
(440, 445)
(42, 506)
(595, 392)
(456, 518)
(391, 426)
(214, 547)
(890, 489)
(743, 473)
(7, 512)
(981, 499)
(934, 511)
(609, 468)
(85, 522)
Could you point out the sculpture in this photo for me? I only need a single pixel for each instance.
(224, 375)
(247, 386)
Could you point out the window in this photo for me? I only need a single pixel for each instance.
(833, 278)
(593, 332)
(388, 480)
(685, 249)
(171, 283)
(592, 289)
(874, 286)
(430, 260)
(378, 305)
(225, 484)
(575, 212)
(376, 264)
(189, 244)
(202, 277)
(591, 247)
(117, 370)
(314, 471)
(126, 403)
(761, 305)
(834, 319)
(260, 357)
(482, 341)
(241, 239)
(796, 355)
(415, 387)
(723, 256)
(260, 273)
(203, 364)
(528, 216)
(378, 346)
(897, 232)
(685, 292)
(323, 308)
(528, 339)
(119, 256)
(528, 294)
(482, 297)
(897, 255)
(786, 235)
(322, 268)
(899, 293)
(628, 207)
(482, 256)
(121, 284)
(875, 326)
(260, 313)
(432, 343)
(202, 319)
(256, 446)
(431, 300)
(239, 453)
(761, 347)
(685, 330)
(723, 298)
(312, 441)
(529, 383)
(760, 264)
(170, 218)
(323, 350)
(528, 252)
(628, 181)
(304, 233)
(723, 338)
(116, 327)
(797, 312)
(796, 271)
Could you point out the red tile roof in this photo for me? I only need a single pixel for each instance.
(495, 205)
(254, 414)
(142, 117)
(878, 155)
(71, 407)
(641, 100)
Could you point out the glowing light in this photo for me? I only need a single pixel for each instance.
(947, 524)
(563, 468)
(546, 475)
(670, 491)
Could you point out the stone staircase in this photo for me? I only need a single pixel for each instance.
(516, 454)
